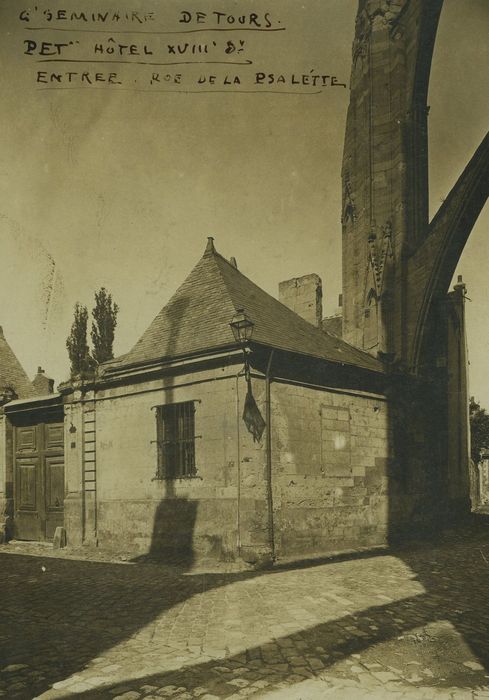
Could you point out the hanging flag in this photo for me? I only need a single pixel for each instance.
(251, 415)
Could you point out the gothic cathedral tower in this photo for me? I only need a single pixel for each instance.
(397, 265)
(385, 168)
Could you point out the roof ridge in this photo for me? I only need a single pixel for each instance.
(215, 253)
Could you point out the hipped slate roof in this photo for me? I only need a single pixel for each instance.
(197, 319)
(12, 374)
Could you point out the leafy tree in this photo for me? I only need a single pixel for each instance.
(479, 430)
(76, 343)
(103, 326)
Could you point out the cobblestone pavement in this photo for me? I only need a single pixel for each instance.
(409, 624)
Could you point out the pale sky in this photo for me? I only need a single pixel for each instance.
(121, 188)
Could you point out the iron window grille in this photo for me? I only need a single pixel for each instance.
(175, 426)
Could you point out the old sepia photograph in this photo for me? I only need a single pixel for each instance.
(244, 349)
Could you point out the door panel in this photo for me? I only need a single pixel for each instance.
(27, 473)
(54, 436)
(54, 493)
(54, 483)
(39, 480)
(26, 439)
(27, 519)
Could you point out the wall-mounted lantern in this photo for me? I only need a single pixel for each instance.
(242, 327)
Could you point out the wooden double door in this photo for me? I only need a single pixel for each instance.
(38, 480)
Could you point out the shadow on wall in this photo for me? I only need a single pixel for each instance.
(175, 516)
(428, 485)
(173, 531)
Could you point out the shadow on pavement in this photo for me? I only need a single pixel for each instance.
(79, 609)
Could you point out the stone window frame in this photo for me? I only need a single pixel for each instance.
(336, 427)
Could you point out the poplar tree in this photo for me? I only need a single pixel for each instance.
(103, 326)
(80, 359)
(479, 430)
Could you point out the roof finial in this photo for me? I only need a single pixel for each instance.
(460, 284)
(1, 332)
(210, 246)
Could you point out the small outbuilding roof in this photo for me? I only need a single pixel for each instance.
(12, 374)
(197, 319)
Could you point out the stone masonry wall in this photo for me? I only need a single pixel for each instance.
(6, 478)
(349, 470)
(74, 499)
(330, 465)
(137, 512)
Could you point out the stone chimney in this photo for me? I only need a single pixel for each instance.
(304, 295)
(42, 384)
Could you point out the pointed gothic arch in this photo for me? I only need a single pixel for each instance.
(432, 266)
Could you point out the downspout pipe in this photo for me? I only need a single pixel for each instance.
(268, 419)
(238, 476)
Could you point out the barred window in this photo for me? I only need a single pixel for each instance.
(175, 426)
